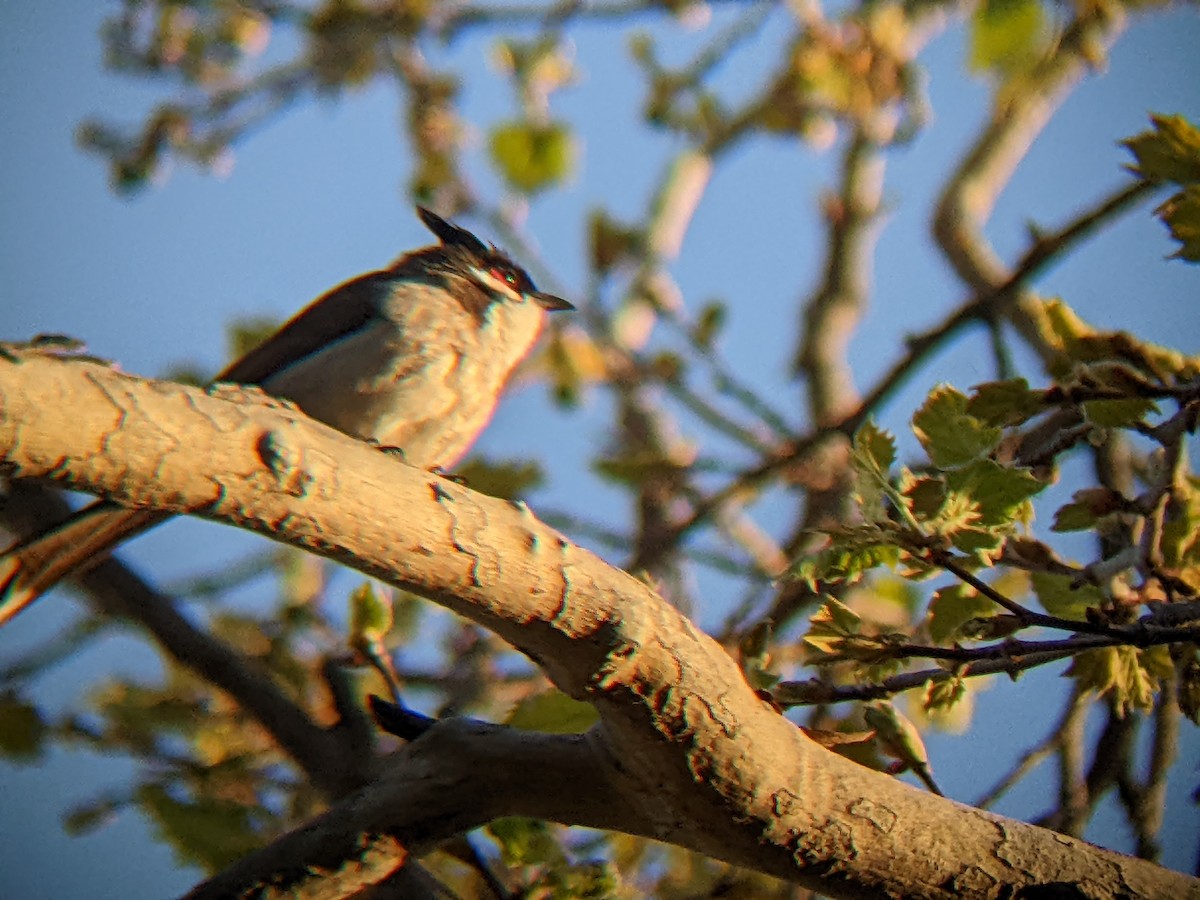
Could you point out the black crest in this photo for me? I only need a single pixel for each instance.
(451, 235)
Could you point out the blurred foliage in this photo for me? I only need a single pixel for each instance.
(532, 157)
(554, 713)
(1008, 36)
(930, 573)
(968, 510)
(1171, 153)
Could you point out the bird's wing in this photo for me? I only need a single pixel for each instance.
(335, 314)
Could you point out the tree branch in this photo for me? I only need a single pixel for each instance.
(687, 751)
(117, 591)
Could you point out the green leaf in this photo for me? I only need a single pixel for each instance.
(635, 470)
(1181, 533)
(872, 452)
(1087, 507)
(1181, 213)
(836, 617)
(982, 543)
(23, 731)
(1007, 35)
(874, 448)
(554, 713)
(942, 696)
(853, 552)
(370, 614)
(526, 842)
(1074, 517)
(958, 512)
(953, 607)
(508, 479)
(532, 157)
(709, 323)
(1118, 413)
(1005, 403)
(611, 243)
(926, 497)
(90, 816)
(1059, 598)
(1169, 152)
(999, 492)
(897, 733)
(1078, 342)
(1189, 688)
(1132, 676)
(835, 635)
(950, 435)
(140, 715)
(248, 332)
(754, 655)
(210, 834)
(830, 627)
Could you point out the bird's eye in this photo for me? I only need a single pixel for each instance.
(508, 277)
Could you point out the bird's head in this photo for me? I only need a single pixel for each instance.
(463, 255)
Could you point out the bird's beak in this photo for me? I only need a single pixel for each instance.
(550, 303)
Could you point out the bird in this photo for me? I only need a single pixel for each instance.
(412, 358)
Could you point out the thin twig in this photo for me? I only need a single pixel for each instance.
(1046, 248)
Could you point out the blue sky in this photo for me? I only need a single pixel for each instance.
(318, 197)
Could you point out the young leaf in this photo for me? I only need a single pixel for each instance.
(526, 842)
(553, 712)
(853, 552)
(1087, 507)
(754, 655)
(91, 815)
(370, 614)
(23, 731)
(1170, 152)
(1189, 687)
(950, 435)
(1181, 213)
(1122, 413)
(944, 695)
(900, 738)
(953, 607)
(709, 323)
(1007, 35)
(531, 156)
(1005, 403)
(925, 495)
(874, 448)
(1059, 598)
(1078, 342)
(207, 833)
(611, 243)
(999, 492)
(1132, 676)
(1181, 534)
(873, 452)
(835, 618)
(507, 479)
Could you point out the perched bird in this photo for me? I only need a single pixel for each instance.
(412, 357)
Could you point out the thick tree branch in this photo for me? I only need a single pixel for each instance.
(461, 774)
(685, 746)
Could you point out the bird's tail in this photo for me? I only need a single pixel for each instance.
(31, 567)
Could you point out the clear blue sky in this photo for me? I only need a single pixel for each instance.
(318, 197)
